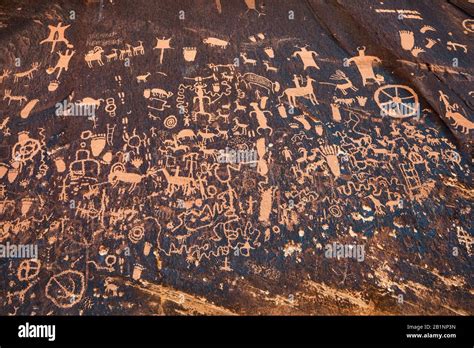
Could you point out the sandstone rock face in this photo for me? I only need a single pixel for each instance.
(238, 157)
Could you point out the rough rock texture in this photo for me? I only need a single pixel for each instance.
(236, 157)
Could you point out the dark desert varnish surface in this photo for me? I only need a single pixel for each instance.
(208, 157)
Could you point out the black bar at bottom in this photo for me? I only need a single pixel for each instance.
(244, 330)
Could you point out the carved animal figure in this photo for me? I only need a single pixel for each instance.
(305, 91)
(177, 182)
(174, 145)
(224, 133)
(4, 75)
(94, 55)
(252, 6)
(138, 49)
(240, 107)
(207, 135)
(208, 152)
(186, 133)
(394, 203)
(212, 41)
(343, 87)
(118, 174)
(110, 288)
(248, 60)
(113, 55)
(452, 114)
(126, 52)
(377, 204)
(241, 127)
(90, 101)
(28, 73)
(432, 155)
(8, 94)
(157, 92)
(143, 78)
(261, 119)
